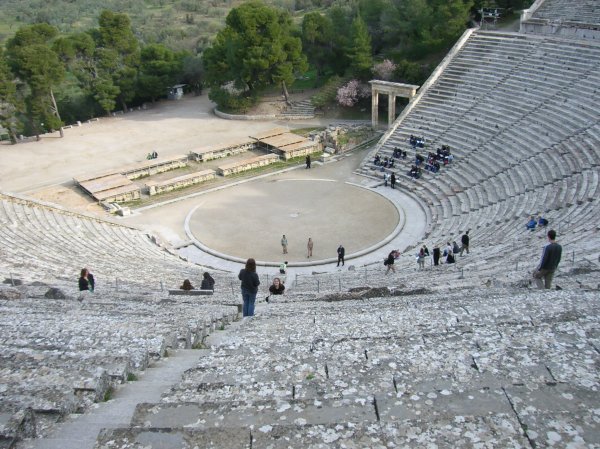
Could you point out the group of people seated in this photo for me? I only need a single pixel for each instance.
(415, 172)
(208, 283)
(386, 162)
(416, 142)
(533, 222)
(399, 154)
(450, 251)
(153, 155)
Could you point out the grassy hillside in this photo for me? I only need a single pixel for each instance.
(180, 24)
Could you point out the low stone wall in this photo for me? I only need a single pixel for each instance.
(155, 188)
(150, 168)
(217, 152)
(227, 116)
(314, 148)
(246, 117)
(248, 164)
(119, 195)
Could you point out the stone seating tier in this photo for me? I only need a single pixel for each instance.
(453, 362)
(522, 136)
(60, 356)
(71, 241)
(583, 11)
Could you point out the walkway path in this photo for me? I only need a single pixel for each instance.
(81, 431)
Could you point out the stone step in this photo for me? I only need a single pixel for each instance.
(466, 432)
(16, 426)
(236, 414)
(173, 438)
(557, 415)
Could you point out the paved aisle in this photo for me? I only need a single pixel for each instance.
(80, 431)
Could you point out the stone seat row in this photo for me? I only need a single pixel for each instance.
(106, 248)
(585, 11)
(345, 385)
(56, 366)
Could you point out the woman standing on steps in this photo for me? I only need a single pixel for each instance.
(250, 283)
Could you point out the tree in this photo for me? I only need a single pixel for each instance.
(422, 26)
(255, 49)
(341, 19)
(193, 72)
(360, 50)
(317, 41)
(77, 51)
(450, 19)
(159, 69)
(9, 104)
(39, 67)
(372, 12)
(123, 52)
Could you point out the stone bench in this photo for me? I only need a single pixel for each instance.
(247, 164)
(157, 187)
(190, 292)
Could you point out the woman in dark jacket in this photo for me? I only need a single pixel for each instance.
(208, 283)
(389, 262)
(249, 286)
(436, 255)
(86, 281)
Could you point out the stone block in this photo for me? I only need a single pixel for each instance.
(434, 405)
(16, 426)
(238, 414)
(173, 438)
(93, 387)
(55, 293)
(336, 435)
(10, 294)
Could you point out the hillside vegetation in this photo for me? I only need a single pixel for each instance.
(68, 60)
(179, 24)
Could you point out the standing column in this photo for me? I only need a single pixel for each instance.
(375, 108)
(391, 108)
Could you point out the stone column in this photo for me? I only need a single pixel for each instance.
(391, 108)
(375, 108)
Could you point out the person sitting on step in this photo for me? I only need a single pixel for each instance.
(208, 283)
(187, 285)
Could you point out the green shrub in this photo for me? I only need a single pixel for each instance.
(228, 102)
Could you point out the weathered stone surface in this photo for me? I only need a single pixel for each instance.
(238, 414)
(17, 425)
(558, 415)
(10, 294)
(137, 438)
(55, 293)
(348, 435)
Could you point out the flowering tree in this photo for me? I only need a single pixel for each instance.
(384, 70)
(349, 94)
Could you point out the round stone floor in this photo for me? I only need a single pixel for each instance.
(249, 220)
